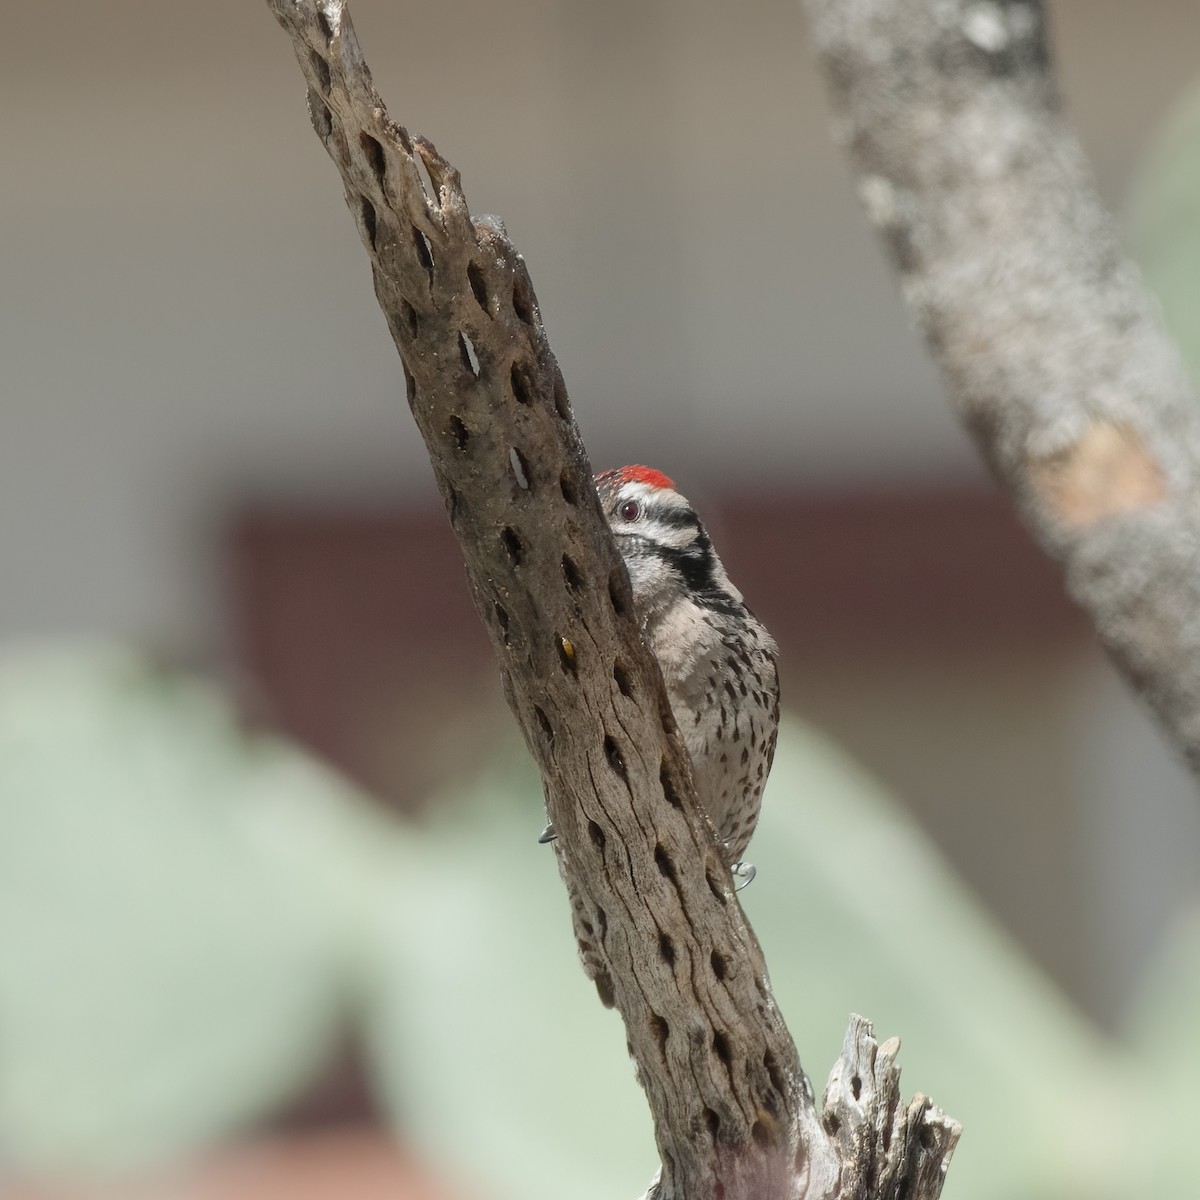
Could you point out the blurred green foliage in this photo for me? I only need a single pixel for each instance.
(189, 914)
(174, 931)
(1164, 221)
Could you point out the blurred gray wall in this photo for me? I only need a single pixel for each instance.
(187, 314)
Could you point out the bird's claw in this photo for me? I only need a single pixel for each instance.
(548, 834)
(745, 872)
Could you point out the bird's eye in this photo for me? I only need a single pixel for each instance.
(629, 510)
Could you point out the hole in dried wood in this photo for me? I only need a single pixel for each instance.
(761, 1135)
(605, 990)
(666, 868)
(325, 24)
(369, 219)
(716, 884)
(856, 1087)
(668, 786)
(410, 318)
(322, 118)
(574, 580)
(597, 836)
(925, 1137)
(513, 545)
(721, 1049)
(612, 752)
(372, 150)
(832, 1124)
(502, 621)
(410, 384)
(454, 506)
(562, 405)
(569, 494)
(459, 431)
(601, 923)
(470, 359)
(618, 593)
(622, 679)
(519, 466)
(424, 249)
(776, 1075)
(478, 285)
(427, 184)
(544, 725)
(666, 949)
(321, 71)
(667, 719)
(522, 384)
(661, 1031)
(566, 656)
(713, 1122)
(718, 964)
(522, 299)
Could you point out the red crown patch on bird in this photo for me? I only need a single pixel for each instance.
(647, 475)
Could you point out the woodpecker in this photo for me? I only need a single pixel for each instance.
(717, 660)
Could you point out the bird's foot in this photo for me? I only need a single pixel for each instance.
(745, 872)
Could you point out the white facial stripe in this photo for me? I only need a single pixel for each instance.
(659, 506)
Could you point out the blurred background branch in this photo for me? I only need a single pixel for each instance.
(1053, 352)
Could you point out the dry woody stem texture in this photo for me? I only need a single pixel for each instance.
(734, 1113)
(1051, 348)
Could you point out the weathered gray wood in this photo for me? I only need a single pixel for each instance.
(884, 1150)
(1052, 350)
(734, 1113)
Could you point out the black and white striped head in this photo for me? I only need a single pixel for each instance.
(665, 547)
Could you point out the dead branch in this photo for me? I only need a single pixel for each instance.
(1051, 348)
(734, 1113)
